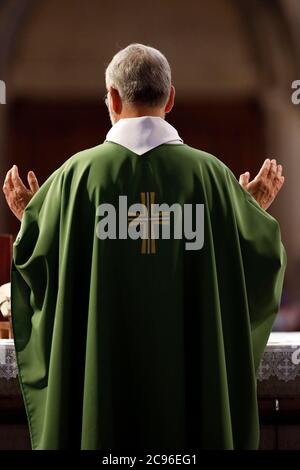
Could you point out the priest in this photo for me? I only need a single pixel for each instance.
(136, 338)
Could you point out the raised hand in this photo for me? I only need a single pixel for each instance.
(266, 184)
(17, 195)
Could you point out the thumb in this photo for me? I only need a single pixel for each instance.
(33, 182)
(244, 179)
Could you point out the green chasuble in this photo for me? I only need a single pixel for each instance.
(142, 344)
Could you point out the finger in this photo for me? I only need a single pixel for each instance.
(8, 185)
(263, 172)
(16, 180)
(279, 184)
(279, 171)
(273, 169)
(281, 181)
(33, 182)
(244, 179)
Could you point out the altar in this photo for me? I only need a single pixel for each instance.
(278, 388)
(279, 392)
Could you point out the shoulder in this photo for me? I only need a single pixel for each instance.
(86, 157)
(206, 162)
(203, 158)
(79, 166)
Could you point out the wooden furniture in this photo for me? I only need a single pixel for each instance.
(5, 330)
(6, 243)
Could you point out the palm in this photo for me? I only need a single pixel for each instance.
(266, 185)
(16, 193)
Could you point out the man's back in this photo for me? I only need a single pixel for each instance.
(156, 338)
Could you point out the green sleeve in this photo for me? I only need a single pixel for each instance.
(264, 260)
(35, 251)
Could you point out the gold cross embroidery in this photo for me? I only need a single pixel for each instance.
(147, 219)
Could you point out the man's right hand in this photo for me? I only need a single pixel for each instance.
(16, 194)
(266, 184)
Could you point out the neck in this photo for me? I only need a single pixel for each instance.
(130, 112)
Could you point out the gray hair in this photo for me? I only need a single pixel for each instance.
(141, 74)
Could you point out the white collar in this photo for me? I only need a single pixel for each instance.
(141, 134)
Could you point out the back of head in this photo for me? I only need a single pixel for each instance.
(141, 74)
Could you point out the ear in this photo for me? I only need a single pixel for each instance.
(116, 102)
(171, 100)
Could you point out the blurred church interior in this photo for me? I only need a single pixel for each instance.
(233, 65)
